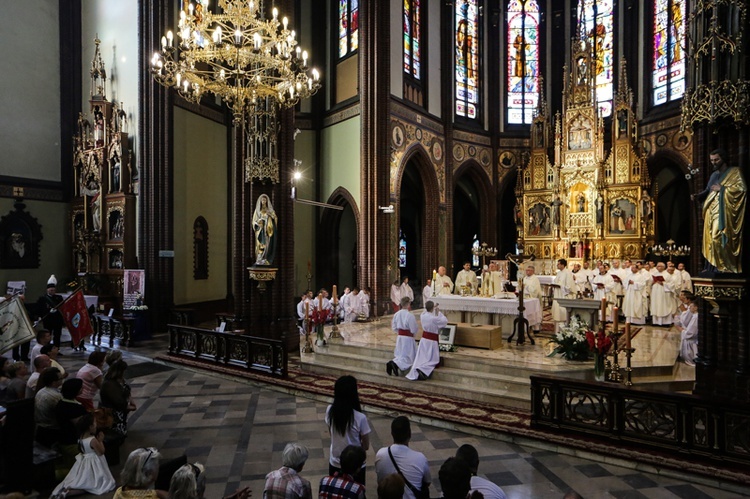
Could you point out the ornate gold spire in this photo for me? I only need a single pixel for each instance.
(98, 73)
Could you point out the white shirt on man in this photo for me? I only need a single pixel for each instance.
(488, 489)
(413, 465)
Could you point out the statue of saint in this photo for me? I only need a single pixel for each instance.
(264, 226)
(555, 212)
(723, 215)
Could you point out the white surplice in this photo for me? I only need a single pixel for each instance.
(428, 353)
(406, 348)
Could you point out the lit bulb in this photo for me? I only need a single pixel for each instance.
(179, 78)
(285, 22)
(190, 9)
(164, 42)
(256, 40)
(217, 34)
(315, 74)
(275, 12)
(237, 36)
(221, 74)
(304, 57)
(170, 37)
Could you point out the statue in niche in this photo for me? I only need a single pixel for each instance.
(556, 211)
(116, 166)
(599, 209)
(91, 189)
(264, 226)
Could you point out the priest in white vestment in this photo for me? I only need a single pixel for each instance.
(563, 286)
(492, 282)
(405, 325)
(603, 285)
(633, 303)
(676, 285)
(662, 298)
(620, 273)
(689, 336)
(443, 284)
(466, 279)
(427, 292)
(687, 281)
(428, 352)
(395, 295)
(532, 288)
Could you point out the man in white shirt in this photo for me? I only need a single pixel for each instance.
(41, 363)
(427, 292)
(405, 325)
(42, 338)
(443, 283)
(428, 352)
(412, 465)
(466, 279)
(633, 303)
(563, 286)
(662, 297)
(532, 288)
(468, 454)
(603, 284)
(687, 281)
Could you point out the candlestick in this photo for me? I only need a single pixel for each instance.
(627, 336)
(335, 296)
(616, 319)
(604, 313)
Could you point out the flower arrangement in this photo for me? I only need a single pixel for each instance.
(318, 319)
(598, 342)
(571, 340)
(447, 347)
(138, 303)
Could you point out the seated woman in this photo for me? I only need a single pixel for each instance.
(689, 335)
(115, 395)
(90, 473)
(139, 474)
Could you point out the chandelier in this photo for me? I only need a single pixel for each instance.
(252, 63)
(670, 250)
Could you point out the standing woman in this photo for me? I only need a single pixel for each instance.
(115, 395)
(347, 424)
(91, 375)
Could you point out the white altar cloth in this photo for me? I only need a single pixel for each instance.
(532, 312)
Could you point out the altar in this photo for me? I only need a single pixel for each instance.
(487, 311)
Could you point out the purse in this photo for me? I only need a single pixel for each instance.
(103, 417)
(419, 494)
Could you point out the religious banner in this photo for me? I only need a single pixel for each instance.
(76, 317)
(15, 325)
(134, 283)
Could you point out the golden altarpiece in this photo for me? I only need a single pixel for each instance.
(588, 203)
(102, 216)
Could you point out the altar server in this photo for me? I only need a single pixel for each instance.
(353, 306)
(467, 278)
(405, 325)
(443, 284)
(662, 298)
(532, 288)
(322, 297)
(343, 301)
(364, 296)
(395, 295)
(563, 286)
(603, 285)
(427, 292)
(633, 303)
(428, 352)
(406, 291)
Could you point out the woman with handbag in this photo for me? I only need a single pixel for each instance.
(115, 397)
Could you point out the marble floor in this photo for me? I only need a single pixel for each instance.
(238, 430)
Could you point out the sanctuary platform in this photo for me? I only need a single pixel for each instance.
(499, 376)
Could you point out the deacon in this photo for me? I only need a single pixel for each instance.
(467, 278)
(633, 303)
(532, 288)
(604, 285)
(405, 325)
(428, 352)
(563, 286)
(443, 283)
(662, 298)
(47, 306)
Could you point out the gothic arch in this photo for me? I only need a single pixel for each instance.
(337, 259)
(672, 189)
(472, 170)
(417, 159)
(505, 202)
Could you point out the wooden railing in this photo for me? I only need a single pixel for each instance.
(681, 423)
(263, 355)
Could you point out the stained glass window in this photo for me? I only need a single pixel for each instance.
(348, 27)
(596, 24)
(523, 60)
(401, 250)
(413, 38)
(474, 251)
(467, 58)
(669, 50)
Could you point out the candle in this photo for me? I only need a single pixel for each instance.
(616, 319)
(627, 335)
(604, 310)
(335, 296)
(307, 309)
(320, 302)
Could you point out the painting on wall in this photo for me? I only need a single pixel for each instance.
(20, 234)
(622, 217)
(539, 220)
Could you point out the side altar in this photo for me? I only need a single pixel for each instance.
(577, 200)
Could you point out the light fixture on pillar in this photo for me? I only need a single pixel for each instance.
(252, 63)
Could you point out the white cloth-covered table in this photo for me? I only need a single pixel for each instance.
(532, 312)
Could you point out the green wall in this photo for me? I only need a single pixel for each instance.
(55, 256)
(304, 215)
(341, 159)
(200, 189)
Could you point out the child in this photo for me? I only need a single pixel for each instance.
(90, 473)
(689, 335)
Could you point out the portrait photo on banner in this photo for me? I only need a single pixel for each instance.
(134, 282)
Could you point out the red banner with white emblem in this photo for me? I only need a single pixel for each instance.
(76, 317)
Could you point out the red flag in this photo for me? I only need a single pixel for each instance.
(76, 317)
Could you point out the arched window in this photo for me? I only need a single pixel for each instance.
(413, 54)
(348, 27)
(466, 61)
(401, 249)
(669, 50)
(596, 24)
(523, 60)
